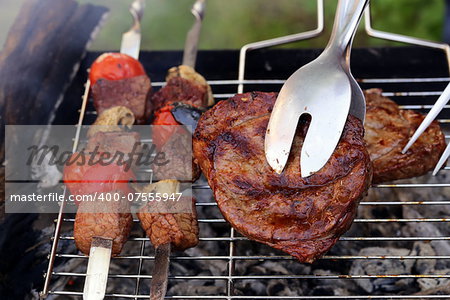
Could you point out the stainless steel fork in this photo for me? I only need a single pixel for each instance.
(322, 89)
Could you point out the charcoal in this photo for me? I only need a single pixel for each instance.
(47, 174)
(425, 229)
(332, 287)
(278, 287)
(427, 284)
(272, 267)
(195, 288)
(381, 267)
(424, 266)
(215, 267)
(250, 287)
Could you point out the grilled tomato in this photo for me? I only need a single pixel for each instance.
(115, 66)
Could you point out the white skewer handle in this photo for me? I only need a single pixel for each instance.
(97, 269)
(432, 114)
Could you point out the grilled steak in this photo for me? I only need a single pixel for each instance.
(132, 93)
(179, 229)
(388, 129)
(301, 216)
(99, 219)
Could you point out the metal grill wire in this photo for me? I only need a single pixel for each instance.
(141, 244)
(143, 251)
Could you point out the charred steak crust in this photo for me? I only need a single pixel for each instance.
(301, 216)
(388, 129)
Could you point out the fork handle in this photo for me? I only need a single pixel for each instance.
(348, 15)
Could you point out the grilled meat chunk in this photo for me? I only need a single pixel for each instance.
(115, 143)
(186, 86)
(99, 219)
(132, 93)
(178, 164)
(301, 216)
(388, 129)
(179, 229)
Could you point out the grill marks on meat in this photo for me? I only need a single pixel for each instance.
(179, 229)
(132, 93)
(388, 129)
(301, 216)
(99, 219)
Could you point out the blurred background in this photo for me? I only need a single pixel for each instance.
(229, 24)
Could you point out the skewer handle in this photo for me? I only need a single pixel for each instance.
(97, 269)
(193, 36)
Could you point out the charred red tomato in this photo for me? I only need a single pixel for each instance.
(115, 66)
(82, 178)
(161, 134)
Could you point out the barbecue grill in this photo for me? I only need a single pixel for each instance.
(412, 76)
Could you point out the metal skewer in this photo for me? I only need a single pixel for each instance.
(193, 36)
(432, 114)
(131, 40)
(158, 285)
(442, 160)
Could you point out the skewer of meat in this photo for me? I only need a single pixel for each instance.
(187, 88)
(119, 79)
(120, 88)
(175, 230)
(103, 222)
(166, 230)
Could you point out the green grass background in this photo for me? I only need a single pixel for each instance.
(229, 24)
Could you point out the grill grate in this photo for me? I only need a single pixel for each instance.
(142, 250)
